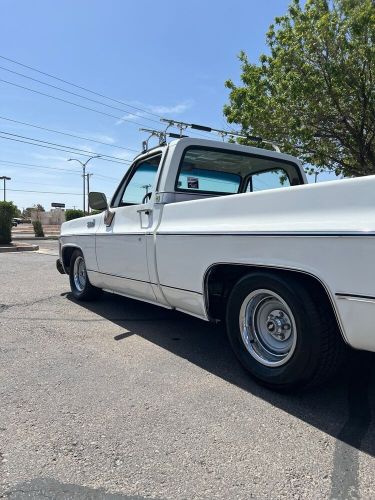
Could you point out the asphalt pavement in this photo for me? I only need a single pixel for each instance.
(118, 399)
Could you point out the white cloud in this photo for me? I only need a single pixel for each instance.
(168, 110)
(156, 109)
(85, 147)
(102, 138)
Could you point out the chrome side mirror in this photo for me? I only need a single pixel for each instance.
(98, 201)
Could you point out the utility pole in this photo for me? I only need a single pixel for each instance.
(5, 178)
(83, 164)
(316, 176)
(88, 190)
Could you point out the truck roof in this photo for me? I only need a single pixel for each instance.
(194, 141)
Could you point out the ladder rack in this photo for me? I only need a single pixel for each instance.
(182, 126)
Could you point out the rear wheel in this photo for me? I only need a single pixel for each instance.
(282, 333)
(80, 285)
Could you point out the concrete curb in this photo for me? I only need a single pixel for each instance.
(19, 248)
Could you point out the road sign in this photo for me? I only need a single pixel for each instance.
(58, 205)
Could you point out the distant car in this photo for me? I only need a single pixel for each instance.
(14, 223)
(20, 220)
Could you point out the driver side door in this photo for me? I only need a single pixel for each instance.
(121, 247)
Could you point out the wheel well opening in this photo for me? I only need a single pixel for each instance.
(67, 253)
(221, 278)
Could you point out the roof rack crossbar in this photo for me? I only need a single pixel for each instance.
(183, 126)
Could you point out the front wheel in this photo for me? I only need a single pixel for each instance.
(80, 285)
(282, 332)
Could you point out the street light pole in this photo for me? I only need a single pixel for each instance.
(83, 164)
(88, 189)
(5, 178)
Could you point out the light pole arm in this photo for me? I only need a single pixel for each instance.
(83, 164)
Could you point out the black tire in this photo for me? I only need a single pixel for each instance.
(81, 290)
(318, 349)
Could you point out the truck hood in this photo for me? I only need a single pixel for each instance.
(79, 226)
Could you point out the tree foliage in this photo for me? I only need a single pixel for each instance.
(27, 211)
(71, 214)
(38, 229)
(315, 92)
(7, 212)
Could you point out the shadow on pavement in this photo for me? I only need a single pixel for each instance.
(54, 490)
(342, 408)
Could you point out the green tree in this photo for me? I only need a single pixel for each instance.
(27, 211)
(71, 214)
(314, 93)
(7, 212)
(38, 229)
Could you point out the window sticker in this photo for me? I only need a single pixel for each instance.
(193, 182)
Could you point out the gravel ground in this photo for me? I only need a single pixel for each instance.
(119, 399)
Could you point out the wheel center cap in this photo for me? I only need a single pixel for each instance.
(278, 325)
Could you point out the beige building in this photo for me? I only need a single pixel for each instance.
(56, 216)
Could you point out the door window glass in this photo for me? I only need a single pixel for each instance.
(141, 184)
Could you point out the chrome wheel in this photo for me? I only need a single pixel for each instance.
(268, 328)
(79, 273)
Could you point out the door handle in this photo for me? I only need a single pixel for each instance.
(147, 211)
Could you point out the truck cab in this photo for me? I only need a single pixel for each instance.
(188, 169)
(185, 170)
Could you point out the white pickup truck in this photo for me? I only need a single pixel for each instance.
(232, 233)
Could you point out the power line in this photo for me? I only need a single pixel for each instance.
(69, 171)
(82, 106)
(69, 135)
(79, 87)
(72, 103)
(35, 183)
(77, 95)
(68, 149)
(18, 164)
(102, 156)
(45, 192)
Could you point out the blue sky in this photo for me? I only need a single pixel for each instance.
(169, 58)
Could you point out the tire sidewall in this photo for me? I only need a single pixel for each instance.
(78, 294)
(303, 363)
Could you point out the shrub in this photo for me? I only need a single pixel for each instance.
(73, 214)
(38, 228)
(7, 210)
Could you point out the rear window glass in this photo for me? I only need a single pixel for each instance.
(210, 170)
